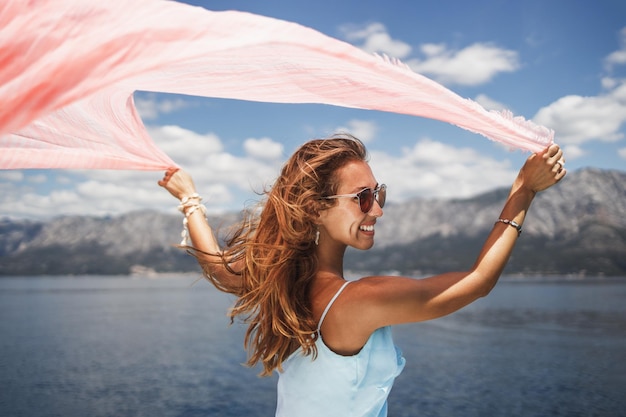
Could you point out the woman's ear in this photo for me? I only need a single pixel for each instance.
(316, 211)
(320, 215)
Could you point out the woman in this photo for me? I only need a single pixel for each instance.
(329, 341)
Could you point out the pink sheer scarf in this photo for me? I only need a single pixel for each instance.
(68, 70)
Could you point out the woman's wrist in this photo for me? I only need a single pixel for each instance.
(187, 198)
(190, 204)
(520, 188)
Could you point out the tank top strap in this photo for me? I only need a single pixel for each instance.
(330, 303)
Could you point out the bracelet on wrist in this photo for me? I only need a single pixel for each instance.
(189, 205)
(188, 201)
(513, 224)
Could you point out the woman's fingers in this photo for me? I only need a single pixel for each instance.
(553, 156)
(178, 182)
(544, 169)
(168, 174)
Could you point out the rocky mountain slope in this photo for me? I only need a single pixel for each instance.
(577, 227)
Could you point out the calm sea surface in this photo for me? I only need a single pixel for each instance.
(110, 346)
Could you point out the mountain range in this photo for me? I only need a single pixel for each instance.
(576, 228)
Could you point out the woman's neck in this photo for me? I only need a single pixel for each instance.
(330, 259)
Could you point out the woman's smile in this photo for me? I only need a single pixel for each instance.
(368, 228)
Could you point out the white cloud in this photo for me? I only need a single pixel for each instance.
(184, 146)
(97, 193)
(150, 106)
(34, 205)
(216, 171)
(365, 130)
(226, 181)
(577, 119)
(38, 179)
(473, 65)
(435, 169)
(382, 43)
(608, 83)
(476, 64)
(573, 152)
(264, 148)
(374, 38)
(63, 179)
(622, 153)
(222, 178)
(433, 49)
(618, 57)
(245, 173)
(11, 175)
(489, 103)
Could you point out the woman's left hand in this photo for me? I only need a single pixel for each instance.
(543, 169)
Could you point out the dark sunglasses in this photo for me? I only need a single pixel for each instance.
(366, 197)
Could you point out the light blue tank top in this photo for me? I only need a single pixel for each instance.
(342, 386)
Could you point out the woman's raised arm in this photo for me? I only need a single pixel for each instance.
(402, 300)
(207, 250)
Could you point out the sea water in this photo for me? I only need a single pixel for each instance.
(122, 346)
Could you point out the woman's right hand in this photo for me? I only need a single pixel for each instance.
(178, 182)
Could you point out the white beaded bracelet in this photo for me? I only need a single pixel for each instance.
(186, 202)
(188, 208)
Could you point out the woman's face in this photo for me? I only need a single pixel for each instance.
(345, 223)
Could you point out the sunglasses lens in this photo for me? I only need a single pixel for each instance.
(366, 200)
(382, 195)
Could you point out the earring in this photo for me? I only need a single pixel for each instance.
(317, 237)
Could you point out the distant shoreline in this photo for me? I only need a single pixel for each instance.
(512, 278)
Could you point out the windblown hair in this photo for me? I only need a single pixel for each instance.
(276, 250)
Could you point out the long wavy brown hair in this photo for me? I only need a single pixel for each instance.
(276, 249)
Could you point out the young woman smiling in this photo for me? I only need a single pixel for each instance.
(328, 338)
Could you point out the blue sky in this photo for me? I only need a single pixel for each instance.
(560, 63)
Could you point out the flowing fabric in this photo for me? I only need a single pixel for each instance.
(69, 68)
